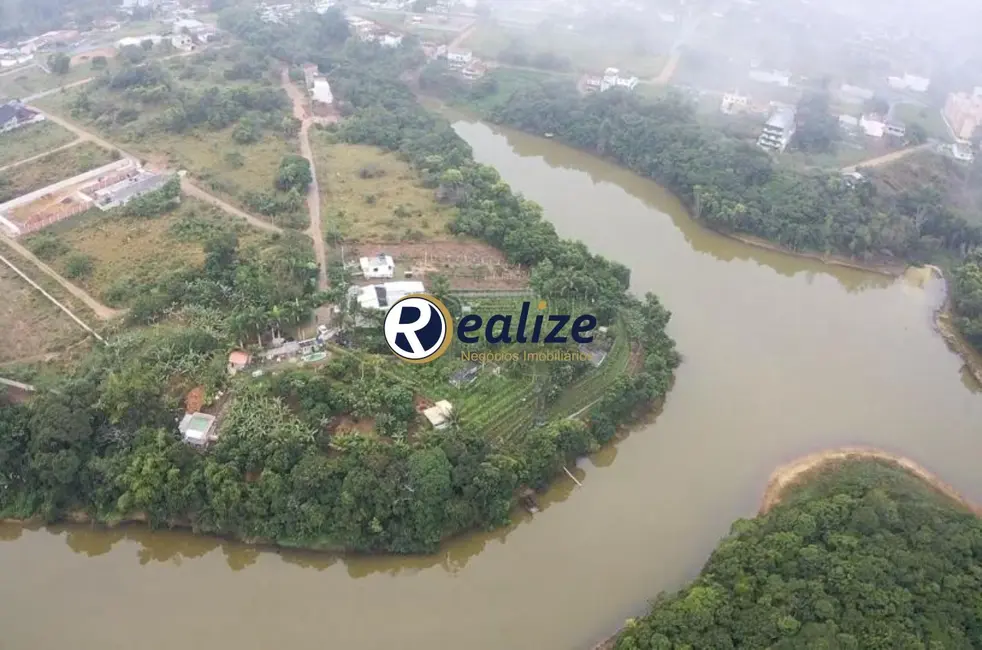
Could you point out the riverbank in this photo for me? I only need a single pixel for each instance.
(944, 323)
(891, 269)
(794, 473)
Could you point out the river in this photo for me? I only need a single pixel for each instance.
(782, 356)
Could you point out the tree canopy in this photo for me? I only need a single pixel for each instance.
(863, 556)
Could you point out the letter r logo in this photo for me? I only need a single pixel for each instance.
(418, 328)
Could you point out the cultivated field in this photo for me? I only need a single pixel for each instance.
(370, 195)
(32, 140)
(29, 324)
(52, 168)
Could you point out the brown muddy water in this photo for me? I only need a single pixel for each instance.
(783, 357)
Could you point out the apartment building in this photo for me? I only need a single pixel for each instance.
(778, 130)
(963, 113)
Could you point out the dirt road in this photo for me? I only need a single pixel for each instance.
(101, 311)
(315, 230)
(52, 91)
(191, 189)
(893, 156)
(461, 37)
(82, 133)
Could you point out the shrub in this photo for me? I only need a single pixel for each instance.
(79, 265)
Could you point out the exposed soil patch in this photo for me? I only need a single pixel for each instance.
(787, 476)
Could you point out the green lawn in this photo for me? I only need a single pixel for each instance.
(34, 80)
(929, 118)
(31, 141)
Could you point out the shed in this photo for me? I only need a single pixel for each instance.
(439, 414)
(380, 266)
(197, 428)
(237, 361)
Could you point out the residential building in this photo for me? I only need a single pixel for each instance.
(380, 266)
(474, 70)
(963, 113)
(382, 296)
(182, 42)
(592, 84)
(459, 57)
(322, 91)
(238, 361)
(391, 40)
(14, 115)
(896, 129)
(778, 130)
(612, 79)
(849, 122)
(734, 103)
(909, 82)
(439, 414)
(138, 40)
(775, 77)
(962, 151)
(872, 125)
(309, 74)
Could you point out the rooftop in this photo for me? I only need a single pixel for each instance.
(782, 118)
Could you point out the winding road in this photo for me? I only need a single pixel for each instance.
(315, 229)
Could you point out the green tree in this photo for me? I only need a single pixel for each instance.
(294, 173)
(59, 63)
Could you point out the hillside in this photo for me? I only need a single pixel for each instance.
(861, 555)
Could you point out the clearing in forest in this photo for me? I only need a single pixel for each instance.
(109, 254)
(30, 325)
(52, 168)
(370, 195)
(32, 140)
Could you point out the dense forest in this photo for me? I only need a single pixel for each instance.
(104, 440)
(861, 556)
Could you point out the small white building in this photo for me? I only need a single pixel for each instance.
(612, 79)
(962, 151)
(391, 40)
(849, 122)
(182, 42)
(439, 414)
(382, 296)
(779, 129)
(854, 94)
(322, 91)
(459, 57)
(138, 40)
(380, 266)
(872, 125)
(734, 103)
(909, 82)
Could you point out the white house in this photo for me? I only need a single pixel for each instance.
(382, 296)
(734, 103)
(391, 40)
(380, 266)
(198, 429)
(848, 122)
(439, 414)
(775, 77)
(962, 151)
(322, 91)
(138, 40)
(459, 57)
(182, 42)
(909, 82)
(872, 125)
(613, 79)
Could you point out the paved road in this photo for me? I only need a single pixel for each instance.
(887, 158)
(101, 311)
(191, 189)
(42, 155)
(314, 230)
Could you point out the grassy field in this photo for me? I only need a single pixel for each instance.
(29, 324)
(31, 141)
(53, 168)
(587, 52)
(125, 251)
(35, 80)
(389, 205)
(929, 118)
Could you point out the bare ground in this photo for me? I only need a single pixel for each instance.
(30, 326)
(466, 264)
(787, 476)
